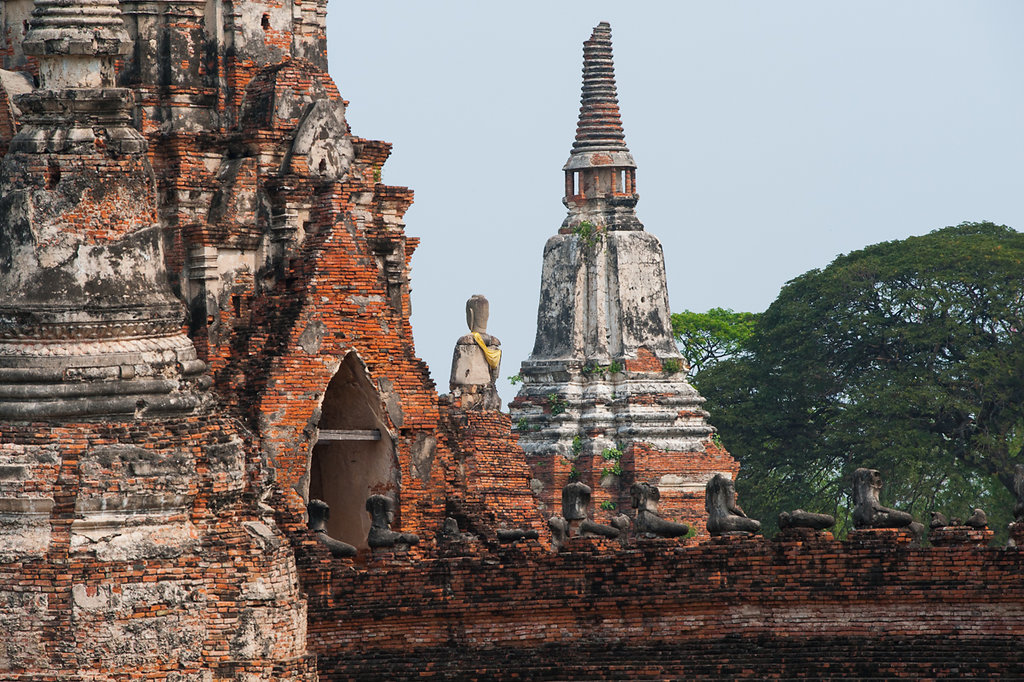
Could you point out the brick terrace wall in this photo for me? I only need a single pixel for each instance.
(151, 563)
(487, 478)
(685, 505)
(803, 607)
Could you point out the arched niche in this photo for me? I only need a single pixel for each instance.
(354, 455)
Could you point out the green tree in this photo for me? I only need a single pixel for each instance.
(708, 338)
(907, 357)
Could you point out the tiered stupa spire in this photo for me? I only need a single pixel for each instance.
(600, 124)
(600, 175)
(605, 397)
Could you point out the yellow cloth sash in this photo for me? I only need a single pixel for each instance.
(493, 356)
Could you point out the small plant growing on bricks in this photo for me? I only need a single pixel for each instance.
(590, 235)
(613, 457)
(592, 368)
(557, 403)
(671, 366)
(577, 446)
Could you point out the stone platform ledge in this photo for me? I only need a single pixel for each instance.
(578, 543)
(800, 535)
(656, 544)
(960, 535)
(390, 556)
(880, 536)
(735, 537)
(522, 550)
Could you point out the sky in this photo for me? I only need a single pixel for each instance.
(770, 137)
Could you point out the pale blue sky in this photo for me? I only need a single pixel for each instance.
(770, 136)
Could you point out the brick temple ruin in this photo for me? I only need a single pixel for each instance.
(221, 459)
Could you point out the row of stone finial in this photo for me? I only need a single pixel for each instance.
(381, 509)
(725, 516)
(648, 522)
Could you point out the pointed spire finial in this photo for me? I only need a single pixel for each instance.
(600, 175)
(600, 125)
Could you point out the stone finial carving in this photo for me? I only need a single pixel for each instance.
(476, 361)
(559, 531)
(939, 520)
(868, 512)
(478, 311)
(575, 500)
(382, 513)
(802, 519)
(600, 172)
(648, 522)
(978, 519)
(450, 528)
(947, 532)
(318, 512)
(450, 532)
(506, 535)
(621, 523)
(724, 514)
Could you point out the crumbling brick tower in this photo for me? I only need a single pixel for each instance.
(604, 396)
(290, 252)
(133, 540)
(287, 248)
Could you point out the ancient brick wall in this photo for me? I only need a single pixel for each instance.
(291, 256)
(135, 550)
(873, 606)
(135, 542)
(143, 543)
(487, 478)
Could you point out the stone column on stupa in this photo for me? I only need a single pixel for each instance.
(604, 397)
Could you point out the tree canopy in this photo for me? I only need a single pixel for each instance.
(707, 338)
(907, 357)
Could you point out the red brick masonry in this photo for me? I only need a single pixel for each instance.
(805, 607)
